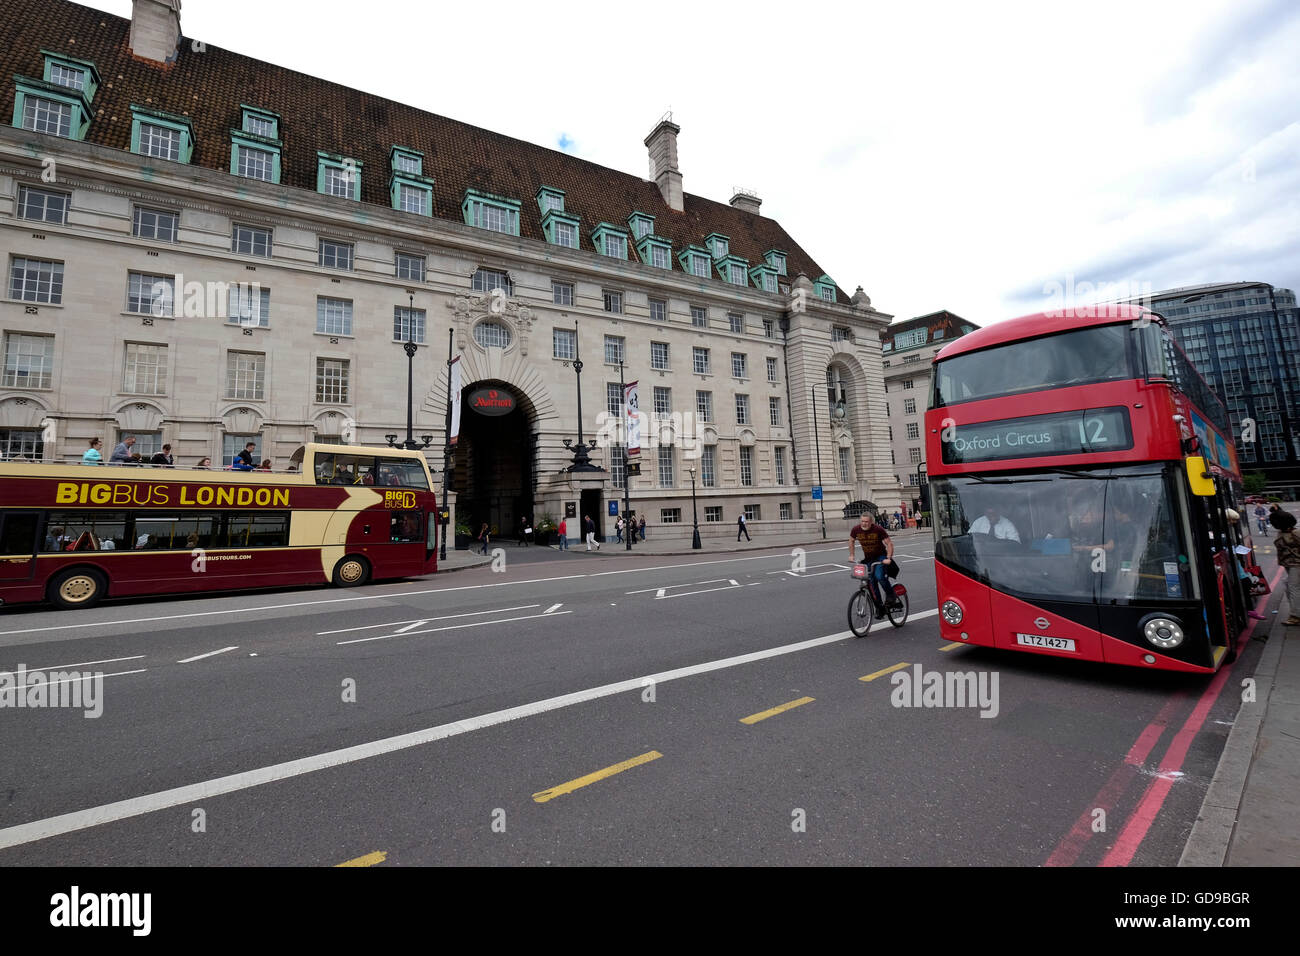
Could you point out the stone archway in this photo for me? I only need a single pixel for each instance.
(495, 458)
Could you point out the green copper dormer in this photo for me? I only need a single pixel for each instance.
(338, 176)
(405, 161)
(255, 146)
(71, 73)
(825, 288)
(408, 189)
(696, 261)
(655, 251)
(734, 270)
(719, 246)
(776, 259)
(59, 102)
(489, 211)
(561, 228)
(610, 240)
(260, 123)
(641, 225)
(764, 277)
(549, 198)
(161, 135)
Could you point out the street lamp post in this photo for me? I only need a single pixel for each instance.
(695, 517)
(627, 479)
(821, 503)
(448, 468)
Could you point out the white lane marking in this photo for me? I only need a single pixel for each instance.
(73, 680)
(553, 607)
(445, 617)
(451, 627)
(412, 626)
(60, 667)
(734, 582)
(691, 584)
(694, 564)
(689, 593)
(199, 657)
(179, 796)
(660, 592)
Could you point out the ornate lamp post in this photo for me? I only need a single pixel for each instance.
(695, 516)
(817, 438)
(581, 450)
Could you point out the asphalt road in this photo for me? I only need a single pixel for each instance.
(579, 708)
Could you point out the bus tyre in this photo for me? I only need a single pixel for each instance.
(77, 587)
(351, 571)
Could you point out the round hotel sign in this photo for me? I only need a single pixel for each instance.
(492, 401)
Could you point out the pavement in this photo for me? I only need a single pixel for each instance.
(1248, 817)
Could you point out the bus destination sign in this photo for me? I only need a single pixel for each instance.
(1080, 432)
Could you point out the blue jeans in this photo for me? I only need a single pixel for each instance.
(879, 584)
(564, 542)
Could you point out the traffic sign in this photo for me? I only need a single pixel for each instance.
(613, 509)
(817, 493)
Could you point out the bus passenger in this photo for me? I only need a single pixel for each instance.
(92, 455)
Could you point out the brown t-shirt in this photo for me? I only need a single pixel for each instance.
(872, 540)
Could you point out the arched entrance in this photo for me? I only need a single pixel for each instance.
(496, 458)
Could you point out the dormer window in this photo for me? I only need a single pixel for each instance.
(70, 77)
(733, 269)
(408, 190)
(653, 250)
(764, 277)
(161, 135)
(719, 245)
(59, 102)
(696, 261)
(641, 225)
(610, 240)
(486, 211)
(255, 146)
(261, 123)
(407, 161)
(549, 199)
(338, 176)
(776, 259)
(71, 74)
(825, 288)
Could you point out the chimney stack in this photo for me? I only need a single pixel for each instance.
(155, 29)
(662, 143)
(746, 201)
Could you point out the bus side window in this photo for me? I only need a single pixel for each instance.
(18, 534)
(324, 466)
(400, 472)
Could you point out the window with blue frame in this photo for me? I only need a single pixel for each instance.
(610, 240)
(338, 176)
(255, 146)
(161, 135)
(487, 211)
(409, 189)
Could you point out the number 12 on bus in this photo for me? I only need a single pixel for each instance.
(1082, 483)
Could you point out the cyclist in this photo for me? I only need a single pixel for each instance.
(876, 545)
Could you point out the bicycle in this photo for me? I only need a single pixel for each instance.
(861, 610)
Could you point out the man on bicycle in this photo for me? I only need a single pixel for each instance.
(876, 545)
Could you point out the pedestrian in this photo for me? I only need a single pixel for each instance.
(618, 530)
(590, 527)
(92, 456)
(742, 528)
(163, 457)
(122, 453)
(1278, 518)
(204, 464)
(1261, 517)
(483, 537)
(641, 527)
(246, 456)
(563, 532)
(1287, 544)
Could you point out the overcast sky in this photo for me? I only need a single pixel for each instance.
(961, 156)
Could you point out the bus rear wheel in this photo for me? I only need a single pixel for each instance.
(77, 587)
(352, 571)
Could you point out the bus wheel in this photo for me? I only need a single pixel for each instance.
(77, 587)
(351, 571)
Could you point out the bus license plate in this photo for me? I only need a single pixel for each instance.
(1042, 640)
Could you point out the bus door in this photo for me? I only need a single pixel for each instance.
(1213, 554)
(1236, 591)
(18, 545)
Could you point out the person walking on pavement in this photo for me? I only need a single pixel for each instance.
(618, 530)
(1287, 544)
(1261, 517)
(742, 528)
(641, 527)
(590, 527)
(563, 532)
(483, 536)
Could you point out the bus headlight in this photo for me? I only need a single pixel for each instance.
(951, 612)
(1162, 632)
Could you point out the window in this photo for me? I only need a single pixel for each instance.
(331, 381)
(613, 301)
(36, 280)
(735, 322)
(659, 310)
(769, 329)
(704, 406)
(261, 124)
(618, 466)
(246, 375)
(666, 477)
(232, 445)
(407, 163)
(719, 245)
(145, 370)
(840, 333)
(746, 465)
(787, 513)
(909, 406)
(412, 199)
(670, 515)
(610, 241)
(562, 293)
(408, 325)
(699, 265)
(659, 355)
(492, 335)
(659, 256)
(663, 401)
(779, 461)
(844, 465)
(700, 360)
(776, 260)
(254, 163)
(713, 514)
(406, 266)
(147, 444)
(913, 430)
(774, 410)
(914, 454)
(753, 512)
(333, 316)
(486, 280)
(251, 241)
(642, 225)
(708, 466)
(29, 360)
(905, 340)
(548, 199)
(738, 275)
(70, 77)
(742, 409)
(44, 115)
(250, 305)
(699, 317)
(614, 349)
(20, 443)
(769, 285)
(154, 224)
(614, 399)
(771, 369)
(495, 213)
(160, 142)
(149, 294)
(336, 255)
(565, 234)
(826, 290)
(739, 365)
(40, 205)
(564, 343)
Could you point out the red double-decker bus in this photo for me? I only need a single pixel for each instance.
(1081, 476)
(74, 534)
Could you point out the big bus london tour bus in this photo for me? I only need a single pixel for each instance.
(1081, 474)
(74, 534)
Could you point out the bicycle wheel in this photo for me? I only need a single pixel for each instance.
(860, 613)
(898, 615)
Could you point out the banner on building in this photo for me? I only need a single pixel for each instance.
(632, 403)
(455, 401)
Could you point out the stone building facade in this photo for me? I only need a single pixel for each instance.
(204, 249)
